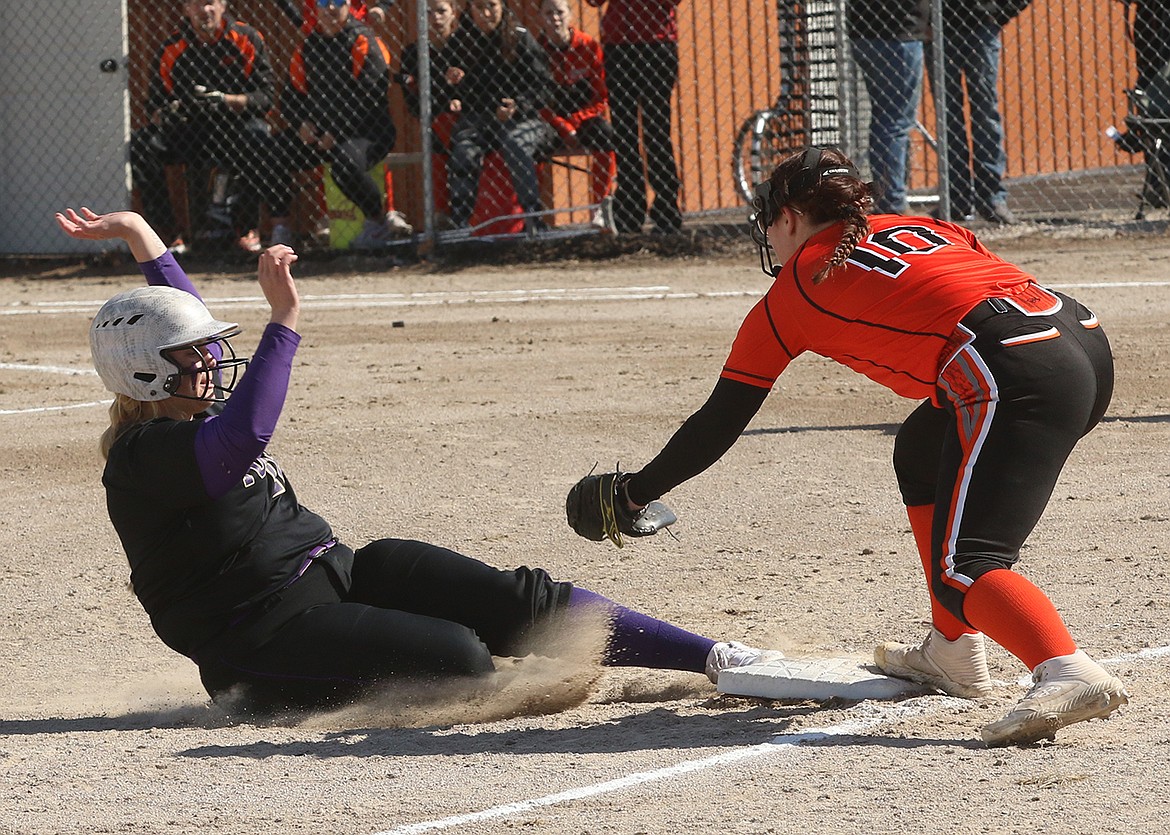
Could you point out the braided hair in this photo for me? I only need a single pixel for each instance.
(825, 185)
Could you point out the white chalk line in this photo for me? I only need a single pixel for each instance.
(784, 743)
(47, 369)
(424, 299)
(51, 369)
(453, 297)
(418, 299)
(36, 409)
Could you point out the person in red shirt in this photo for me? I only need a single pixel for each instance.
(579, 111)
(640, 39)
(1011, 376)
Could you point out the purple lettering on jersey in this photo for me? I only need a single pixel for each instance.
(265, 467)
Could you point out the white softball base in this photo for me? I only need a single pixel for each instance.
(800, 679)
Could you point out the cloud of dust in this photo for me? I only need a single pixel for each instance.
(561, 675)
(163, 701)
(564, 672)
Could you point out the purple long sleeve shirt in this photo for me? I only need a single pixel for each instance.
(227, 444)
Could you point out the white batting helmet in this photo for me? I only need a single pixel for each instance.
(132, 332)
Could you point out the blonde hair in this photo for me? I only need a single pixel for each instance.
(126, 412)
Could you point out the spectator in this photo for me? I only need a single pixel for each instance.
(442, 18)
(1148, 27)
(887, 37)
(207, 102)
(501, 80)
(335, 99)
(640, 38)
(976, 159)
(579, 111)
(305, 18)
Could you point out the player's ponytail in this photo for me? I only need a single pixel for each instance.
(825, 185)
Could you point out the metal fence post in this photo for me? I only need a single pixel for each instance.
(939, 89)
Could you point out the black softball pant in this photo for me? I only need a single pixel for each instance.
(413, 611)
(1017, 397)
(641, 80)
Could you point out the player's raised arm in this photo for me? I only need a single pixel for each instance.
(145, 244)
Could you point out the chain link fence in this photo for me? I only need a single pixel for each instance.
(230, 125)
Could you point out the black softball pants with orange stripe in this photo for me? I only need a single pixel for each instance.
(1016, 398)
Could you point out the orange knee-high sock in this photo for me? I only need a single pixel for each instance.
(1019, 617)
(921, 522)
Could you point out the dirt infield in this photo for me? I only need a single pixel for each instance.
(465, 426)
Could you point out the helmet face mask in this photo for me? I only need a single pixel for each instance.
(763, 216)
(138, 337)
(209, 370)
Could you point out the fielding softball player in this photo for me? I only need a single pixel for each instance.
(1011, 376)
(258, 590)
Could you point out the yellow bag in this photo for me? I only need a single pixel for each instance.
(345, 219)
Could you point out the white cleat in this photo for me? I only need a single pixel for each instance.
(727, 655)
(398, 225)
(1067, 689)
(957, 668)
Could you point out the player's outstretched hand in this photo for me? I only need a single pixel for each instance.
(130, 227)
(596, 509)
(275, 277)
(91, 226)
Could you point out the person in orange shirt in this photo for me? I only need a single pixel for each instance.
(579, 111)
(335, 103)
(1011, 376)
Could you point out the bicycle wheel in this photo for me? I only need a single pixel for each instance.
(763, 140)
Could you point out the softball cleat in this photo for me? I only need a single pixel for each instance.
(957, 668)
(1067, 689)
(727, 655)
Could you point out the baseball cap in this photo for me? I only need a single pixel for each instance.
(324, 4)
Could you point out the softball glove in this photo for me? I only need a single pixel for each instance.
(596, 509)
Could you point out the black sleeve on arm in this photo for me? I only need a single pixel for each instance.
(699, 442)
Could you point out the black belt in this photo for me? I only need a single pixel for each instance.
(986, 309)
